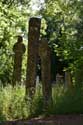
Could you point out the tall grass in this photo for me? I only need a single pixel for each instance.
(67, 101)
(12, 103)
(14, 106)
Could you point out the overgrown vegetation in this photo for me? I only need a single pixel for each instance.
(14, 106)
(64, 31)
(62, 24)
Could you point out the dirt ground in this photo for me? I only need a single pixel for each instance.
(52, 120)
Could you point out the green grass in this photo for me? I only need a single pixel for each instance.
(14, 106)
(67, 101)
(12, 103)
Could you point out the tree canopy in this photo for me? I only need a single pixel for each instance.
(64, 30)
(62, 24)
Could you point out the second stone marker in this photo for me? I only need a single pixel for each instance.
(33, 44)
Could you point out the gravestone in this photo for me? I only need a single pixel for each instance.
(19, 50)
(59, 78)
(44, 53)
(68, 79)
(33, 44)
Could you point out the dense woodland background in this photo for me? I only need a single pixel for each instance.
(62, 25)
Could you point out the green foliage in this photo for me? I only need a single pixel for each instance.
(12, 103)
(37, 103)
(14, 106)
(10, 3)
(64, 30)
(79, 72)
(62, 24)
(67, 101)
(12, 20)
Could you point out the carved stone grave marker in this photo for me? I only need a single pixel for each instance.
(33, 44)
(19, 50)
(44, 52)
(68, 80)
(59, 78)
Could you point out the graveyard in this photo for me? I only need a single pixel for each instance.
(41, 63)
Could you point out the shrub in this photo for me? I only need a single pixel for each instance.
(66, 101)
(14, 106)
(12, 103)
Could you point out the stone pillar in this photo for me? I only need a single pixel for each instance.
(33, 43)
(68, 80)
(19, 50)
(44, 52)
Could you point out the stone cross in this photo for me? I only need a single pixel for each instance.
(19, 50)
(45, 55)
(33, 44)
